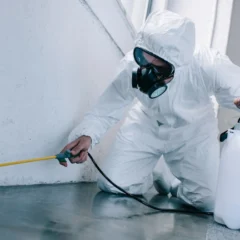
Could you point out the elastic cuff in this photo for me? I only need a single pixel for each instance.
(94, 141)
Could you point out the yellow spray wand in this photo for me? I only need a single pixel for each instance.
(60, 157)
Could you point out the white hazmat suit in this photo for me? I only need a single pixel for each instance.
(180, 124)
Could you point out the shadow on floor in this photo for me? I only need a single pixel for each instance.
(80, 211)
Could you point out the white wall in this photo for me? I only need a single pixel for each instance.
(233, 49)
(222, 25)
(136, 10)
(56, 59)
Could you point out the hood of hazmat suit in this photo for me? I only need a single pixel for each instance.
(180, 124)
(168, 36)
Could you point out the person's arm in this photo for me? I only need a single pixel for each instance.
(222, 78)
(110, 106)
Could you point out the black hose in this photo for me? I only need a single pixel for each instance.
(143, 202)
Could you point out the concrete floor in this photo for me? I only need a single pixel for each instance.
(80, 211)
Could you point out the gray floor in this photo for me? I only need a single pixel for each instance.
(80, 211)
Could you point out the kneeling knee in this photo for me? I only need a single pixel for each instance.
(104, 185)
(135, 189)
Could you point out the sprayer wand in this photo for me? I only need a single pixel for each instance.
(61, 157)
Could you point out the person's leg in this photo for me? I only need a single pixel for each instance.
(133, 156)
(196, 165)
(128, 165)
(163, 179)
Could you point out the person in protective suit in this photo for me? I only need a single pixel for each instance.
(173, 116)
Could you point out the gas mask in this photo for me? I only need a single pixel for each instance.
(149, 78)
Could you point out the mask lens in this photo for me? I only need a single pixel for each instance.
(139, 58)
